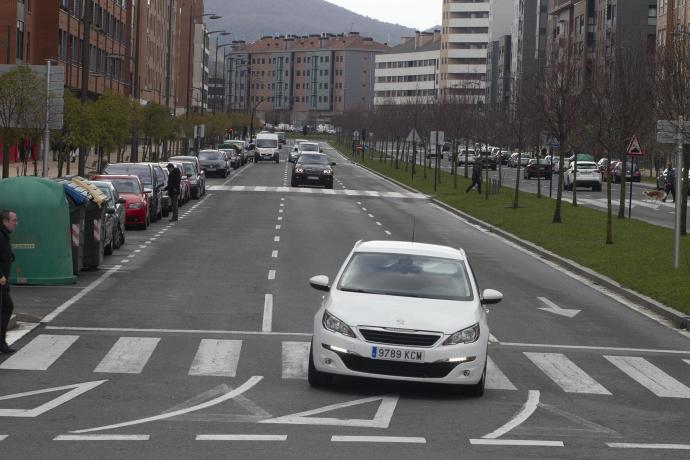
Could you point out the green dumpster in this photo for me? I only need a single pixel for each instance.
(41, 242)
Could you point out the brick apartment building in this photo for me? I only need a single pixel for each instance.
(296, 79)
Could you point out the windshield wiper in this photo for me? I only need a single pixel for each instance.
(361, 291)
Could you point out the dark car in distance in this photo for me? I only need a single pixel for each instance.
(532, 169)
(214, 162)
(312, 169)
(151, 177)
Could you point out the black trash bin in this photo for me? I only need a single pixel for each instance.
(93, 235)
(78, 199)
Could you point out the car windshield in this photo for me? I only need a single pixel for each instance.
(309, 147)
(141, 171)
(311, 158)
(407, 275)
(209, 155)
(267, 143)
(107, 192)
(126, 186)
(189, 169)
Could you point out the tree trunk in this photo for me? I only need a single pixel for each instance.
(609, 204)
(624, 177)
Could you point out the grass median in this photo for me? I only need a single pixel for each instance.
(641, 257)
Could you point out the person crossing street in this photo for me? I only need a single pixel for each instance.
(8, 222)
(173, 188)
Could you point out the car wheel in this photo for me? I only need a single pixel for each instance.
(122, 238)
(315, 377)
(159, 216)
(329, 186)
(476, 390)
(293, 183)
(108, 248)
(165, 212)
(277, 160)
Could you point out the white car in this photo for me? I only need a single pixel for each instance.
(469, 156)
(402, 311)
(588, 175)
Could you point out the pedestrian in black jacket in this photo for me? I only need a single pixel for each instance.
(173, 188)
(8, 222)
(476, 176)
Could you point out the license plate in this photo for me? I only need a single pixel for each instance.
(396, 354)
(313, 177)
(211, 168)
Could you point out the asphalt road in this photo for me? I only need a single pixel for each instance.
(191, 342)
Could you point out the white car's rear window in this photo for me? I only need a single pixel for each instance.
(407, 275)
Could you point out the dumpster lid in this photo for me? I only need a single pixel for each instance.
(77, 194)
(96, 194)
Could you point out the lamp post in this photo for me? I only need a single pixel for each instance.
(253, 112)
(203, 74)
(215, 65)
(190, 84)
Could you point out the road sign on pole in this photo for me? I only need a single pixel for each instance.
(413, 136)
(667, 131)
(634, 149)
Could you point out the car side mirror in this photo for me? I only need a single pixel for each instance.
(320, 283)
(491, 296)
(148, 190)
(121, 201)
(110, 211)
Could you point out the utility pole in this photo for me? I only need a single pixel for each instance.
(168, 70)
(134, 150)
(85, 64)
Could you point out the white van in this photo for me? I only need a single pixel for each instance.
(267, 147)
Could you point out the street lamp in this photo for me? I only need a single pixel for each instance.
(215, 65)
(192, 17)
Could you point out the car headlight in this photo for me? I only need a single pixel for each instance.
(327, 172)
(467, 335)
(135, 205)
(333, 324)
(299, 170)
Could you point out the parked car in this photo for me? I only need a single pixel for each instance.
(587, 175)
(401, 310)
(136, 200)
(185, 186)
(630, 174)
(522, 158)
(487, 160)
(239, 145)
(151, 178)
(196, 175)
(536, 168)
(467, 156)
(281, 137)
(312, 169)
(215, 162)
(661, 180)
(114, 217)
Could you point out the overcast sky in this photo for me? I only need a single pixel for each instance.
(417, 14)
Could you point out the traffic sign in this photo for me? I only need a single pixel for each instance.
(413, 136)
(441, 137)
(667, 131)
(355, 134)
(634, 149)
(552, 142)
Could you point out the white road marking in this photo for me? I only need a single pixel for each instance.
(282, 199)
(274, 254)
(267, 322)
(20, 331)
(566, 373)
(381, 419)
(356, 202)
(278, 227)
(383, 439)
(515, 442)
(276, 239)
(370, 215)
(129, 355)
(280, 218)
(124, 261)
(216, 358)
(553, 308)
(387, 232)
(75, 390)
(102, 437)
(241, 437)
(526, 412)
(271, 274)
(295, 360)
(595, 348)
(175, 331)
(282, 205)
(650, 376)
(227, 396)
(94, 284)
(493, 339)
(495, 378)
(379, 223)
(687, 361)
(627, 445)
(40, 353)
(3, 437)
(364, 209)
(260, 189)
(280, 211)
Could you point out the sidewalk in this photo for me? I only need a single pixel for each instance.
(16, 168)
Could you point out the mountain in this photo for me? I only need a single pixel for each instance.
(249, 20)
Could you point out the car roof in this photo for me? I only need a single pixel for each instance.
(103, 177)
(410, 247)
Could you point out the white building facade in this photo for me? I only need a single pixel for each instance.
(464, 43)
(409, 73)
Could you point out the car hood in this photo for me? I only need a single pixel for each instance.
(446, 316)
(132, 198)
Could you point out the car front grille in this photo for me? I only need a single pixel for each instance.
(397, 368)
(399, 338)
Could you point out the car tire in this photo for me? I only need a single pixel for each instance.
(293, 183)
(476, 390)
(165, 212)
(277, 160)
(159, 216)
(316, 378)
(122, 237)
(596, 188)
(108, 248)
(329, 186)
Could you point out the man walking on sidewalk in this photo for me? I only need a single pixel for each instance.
(476, 176)
(8, 222)
(173, 187)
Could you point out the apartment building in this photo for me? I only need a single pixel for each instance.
(629, 23)
(499, 72)
(409, 73)
(524, 38)
(303, 78)
(465, 39)
(34, 31)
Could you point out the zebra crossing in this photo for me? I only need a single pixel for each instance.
(222, 357)
(317, 191)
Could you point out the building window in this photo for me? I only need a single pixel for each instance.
(20, 39)
(651, 15)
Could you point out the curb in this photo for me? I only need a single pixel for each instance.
(679, 319)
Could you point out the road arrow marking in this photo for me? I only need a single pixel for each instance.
(76, 390)
(553, 308)
(382, 418)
